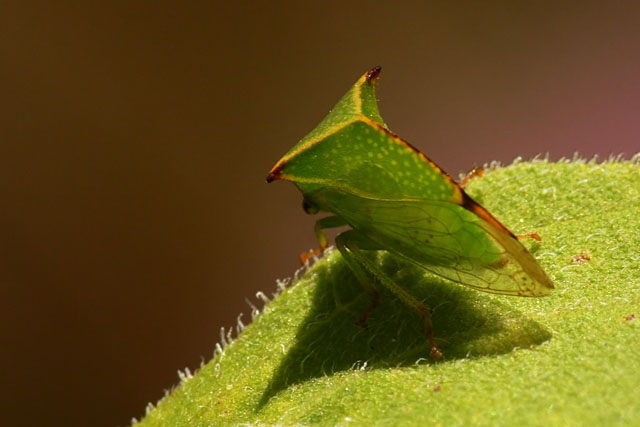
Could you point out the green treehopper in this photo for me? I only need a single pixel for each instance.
(396, 199)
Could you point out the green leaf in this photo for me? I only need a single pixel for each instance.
(570, 358)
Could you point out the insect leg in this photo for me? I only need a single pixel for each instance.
(321, 224)
(477, 172)
(374, 296)
(535, 236)
(348, 244)
(361, 275)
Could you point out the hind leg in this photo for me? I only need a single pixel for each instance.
(349, 244)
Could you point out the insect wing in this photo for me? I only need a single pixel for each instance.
(448, 240)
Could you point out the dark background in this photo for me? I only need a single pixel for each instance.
(135, 138)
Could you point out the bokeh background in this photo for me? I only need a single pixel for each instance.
(135, 138)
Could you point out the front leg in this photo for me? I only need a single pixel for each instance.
(321, 225)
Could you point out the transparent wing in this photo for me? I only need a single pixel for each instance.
(468, 247)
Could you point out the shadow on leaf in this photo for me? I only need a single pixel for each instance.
(466, 323)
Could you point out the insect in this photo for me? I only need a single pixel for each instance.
(396, 199)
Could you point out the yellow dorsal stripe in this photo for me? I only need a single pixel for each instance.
(458, 198)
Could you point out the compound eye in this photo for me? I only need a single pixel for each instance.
(308, 207)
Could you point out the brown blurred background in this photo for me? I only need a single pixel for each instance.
(135, 138)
